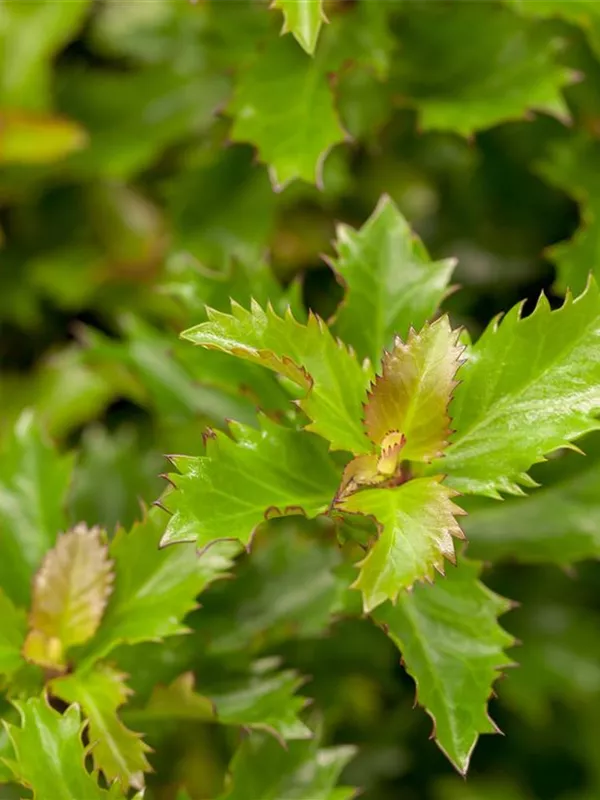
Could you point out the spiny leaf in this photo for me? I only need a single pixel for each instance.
(12, 636)
(303, 18)
(118, 752)
(453, 647)
(264, 701)
(391, 283)
(70, 593)
(284, 106)
(154, 589)
(530, 385)
(34, 480)
(263, 770)
(49, 754)
(416, 523)
(306, 354)
(412, 394)
(240, 482)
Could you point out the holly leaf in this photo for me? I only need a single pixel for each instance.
(263, 770)
(416, 524)
(453, 648)
(508, 68)
(530, 385)
(308, 355)
(411, 396)
(391, 283)
(284, 106)
(12, 636)
(34, 480)
(70, 592)
(153, 589)
(119, 753)
(264, 701)
(558, 524)
(49, 754)
(572, 166)
(303, 19)
(268, 472)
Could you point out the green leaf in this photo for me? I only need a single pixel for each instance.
(36, 139)
(153, 589)
(468, 68)
(416, 524)
(49, 754)
(559, 524)
(240, 482)
(530, 385)
(308, 355)
(70, 592)
(572, 165)
(34, 480)
(391, 283)
(284, 106)
(412, 394)
(118, 752)
(303, 19)
(265, 701)
(582, 13)
(263, 770)
(12, 636)
(453, 648)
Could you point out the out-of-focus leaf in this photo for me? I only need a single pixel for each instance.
(417, 525)
(529, 386)
(12, 636)
(306, 354)
(240, 482)
(507, 69)
(154, 589)
(583, 13)
(391, 283)
(264, 701)
(453, 647)
(284, 106)
(49, 754)
(34, 480)
(28, 139)
(117, 751)
(31, 34)
(303, 19)
(70, 592)
(263, 770)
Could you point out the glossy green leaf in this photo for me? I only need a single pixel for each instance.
(263, 770)
(558, 524)
(240, 482)
(265, 701)
(416, 528)
(119, 753)
(34, 480)
(391, 283)
(453, 648)
(153, 589)
(70, 592)
(12, 636)
(284, 106)
(411, 396)
(334, 381)
(530, 385)
(506, 70)
(303, 19)
(49, 754)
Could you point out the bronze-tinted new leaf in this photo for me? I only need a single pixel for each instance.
(70, 593)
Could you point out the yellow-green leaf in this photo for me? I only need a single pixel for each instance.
(416, 529)
(412, 394)
(303, 19)
(34, 139)
(70, 592)
(12, 634)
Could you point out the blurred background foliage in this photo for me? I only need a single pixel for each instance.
(135, 188)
